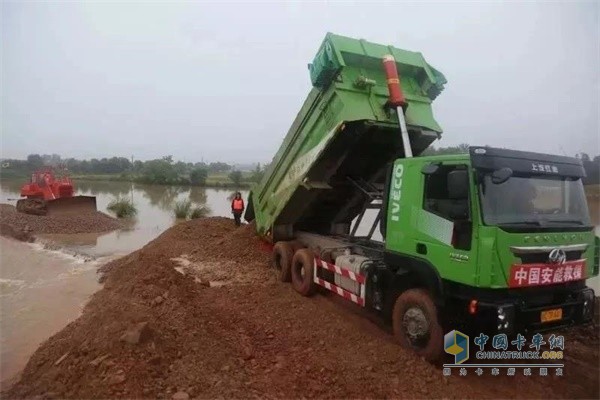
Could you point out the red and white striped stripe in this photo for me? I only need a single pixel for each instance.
(338, 290)
(340, 271)
(360, 279)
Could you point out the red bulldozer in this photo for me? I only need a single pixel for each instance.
(47, 194)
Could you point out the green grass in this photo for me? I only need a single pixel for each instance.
(122, 207)
(221, 179)
(182, 208)
(199, 212)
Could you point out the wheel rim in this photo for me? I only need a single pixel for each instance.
(415, 327)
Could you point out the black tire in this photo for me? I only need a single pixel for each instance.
(302, 272)
(281, 260)
(296, 245)
(416, 325)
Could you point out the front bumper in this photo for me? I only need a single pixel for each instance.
(520, 314)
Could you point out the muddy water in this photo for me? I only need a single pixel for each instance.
(155, 213)
(40, 292)
(44, 285)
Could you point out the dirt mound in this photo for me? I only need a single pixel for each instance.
(155, 332)
(22, 226)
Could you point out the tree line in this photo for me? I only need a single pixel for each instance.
(167, 171)
(158, 171)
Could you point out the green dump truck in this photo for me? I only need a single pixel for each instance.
(493, 240)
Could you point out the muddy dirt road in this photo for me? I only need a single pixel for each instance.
(197, 313)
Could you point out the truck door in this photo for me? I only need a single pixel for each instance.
(444, 226)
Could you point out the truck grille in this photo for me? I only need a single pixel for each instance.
(542, 257)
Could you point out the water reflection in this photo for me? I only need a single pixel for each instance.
(95, 188)
(198, 195)
(11, 186)
(162, 196)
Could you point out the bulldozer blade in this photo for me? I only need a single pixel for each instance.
(71, 205)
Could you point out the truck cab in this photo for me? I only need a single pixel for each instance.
(501, 239)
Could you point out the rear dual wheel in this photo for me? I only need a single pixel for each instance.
(293, 263)
(281, 260)
(302, 269)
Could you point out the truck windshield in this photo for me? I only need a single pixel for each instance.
(555, 201)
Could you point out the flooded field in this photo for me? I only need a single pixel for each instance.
(44, 285)
(155, 213)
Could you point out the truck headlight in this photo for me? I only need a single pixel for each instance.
(505, 316)
(588, 304)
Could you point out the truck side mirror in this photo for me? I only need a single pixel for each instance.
(501, 175)
(430, 169)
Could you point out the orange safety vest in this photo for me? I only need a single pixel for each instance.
(237, 204)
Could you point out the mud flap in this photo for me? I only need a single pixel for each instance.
(71, 205)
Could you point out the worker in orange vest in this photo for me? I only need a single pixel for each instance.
(237, 208)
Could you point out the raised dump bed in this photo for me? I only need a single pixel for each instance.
(334, 157)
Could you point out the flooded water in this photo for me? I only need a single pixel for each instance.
(154, 203)
(42, 290)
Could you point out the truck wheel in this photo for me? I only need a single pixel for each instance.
(296, 245)
(302, 272)
(282, 260)
(416, 324)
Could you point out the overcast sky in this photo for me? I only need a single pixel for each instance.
(223, 81)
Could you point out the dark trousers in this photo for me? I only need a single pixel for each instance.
(237, 215)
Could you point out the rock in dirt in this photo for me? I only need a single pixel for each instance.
(181, 396)
(117, 379)
(96, 361)
(157, 300)
(139, 333)
(61, 359)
